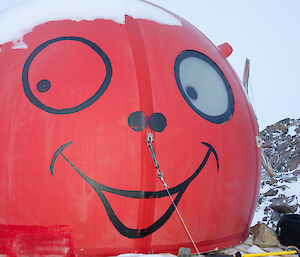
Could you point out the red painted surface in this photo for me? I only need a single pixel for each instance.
(226, 49)
(35, 240)
(217, 207)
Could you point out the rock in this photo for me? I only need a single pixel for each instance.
(271, 182)
(281, 145)
(263, 236)
(268, 152)
(275, 216)
(283, 187)
(285, 204)
(267, 144)
(184, 252)
(296, 173)
(290, 180)
(271, 192)
(294, 162)
(282, 126)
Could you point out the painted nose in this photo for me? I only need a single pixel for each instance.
(138, 121)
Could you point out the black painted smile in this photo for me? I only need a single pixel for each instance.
(137, 233)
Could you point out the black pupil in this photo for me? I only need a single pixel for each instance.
(44, 85)
(192, 93)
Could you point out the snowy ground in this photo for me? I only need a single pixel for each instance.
(246, 247)
(145, 255)
(288, 184)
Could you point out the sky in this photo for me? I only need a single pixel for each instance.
(265, 31)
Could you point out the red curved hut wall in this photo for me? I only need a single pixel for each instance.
(76, 172)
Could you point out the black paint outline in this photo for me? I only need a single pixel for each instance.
(217, 119)
(34, 100)
(43, 85)
(120, 227)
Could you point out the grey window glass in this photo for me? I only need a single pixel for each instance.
(204, 87)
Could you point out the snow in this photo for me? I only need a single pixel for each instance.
(255, 249)
(19, 44)
(259, 214)
(20, 19)
(292, 130)
(291, 189)
(144, 255)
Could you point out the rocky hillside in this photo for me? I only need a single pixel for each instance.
(281, 194)
(282, 144)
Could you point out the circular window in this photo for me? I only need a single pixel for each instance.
(204, 87)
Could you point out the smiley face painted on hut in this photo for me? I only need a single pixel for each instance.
(94, 96)
(138, 121)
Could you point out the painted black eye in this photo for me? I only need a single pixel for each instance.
(204, 86)
(74, 71)
(43, 86)
(191, 92)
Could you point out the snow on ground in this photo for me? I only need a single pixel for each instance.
(255, 249)
(289, 189)
(144, 255)
(20, 19)
(292, 131)
(281, 144)
(294, 189)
